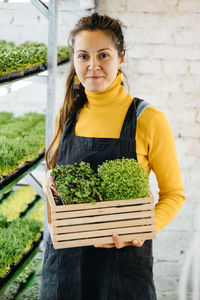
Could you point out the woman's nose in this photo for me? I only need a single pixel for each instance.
(93, 64)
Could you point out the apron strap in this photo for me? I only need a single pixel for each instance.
(130, 122)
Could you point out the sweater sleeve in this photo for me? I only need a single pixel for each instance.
(164, 163)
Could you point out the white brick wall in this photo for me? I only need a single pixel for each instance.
(163, 50)
(163, 67)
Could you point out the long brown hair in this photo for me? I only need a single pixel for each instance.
(75, 99)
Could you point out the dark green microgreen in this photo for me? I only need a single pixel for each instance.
(77, 183)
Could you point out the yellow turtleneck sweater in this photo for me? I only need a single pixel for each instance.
(103, 117)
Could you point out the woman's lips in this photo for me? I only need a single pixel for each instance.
(94, 77)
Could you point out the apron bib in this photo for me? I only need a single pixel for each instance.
(89, 273)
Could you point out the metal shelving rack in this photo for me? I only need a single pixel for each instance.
(51, 13)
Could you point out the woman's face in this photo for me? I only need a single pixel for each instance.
(96, 60)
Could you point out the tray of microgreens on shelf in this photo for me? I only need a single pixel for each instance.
(26, 59)
(22, 145)
(90, 205)
(21, 226)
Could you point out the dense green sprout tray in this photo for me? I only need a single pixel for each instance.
(18, 238)
(18, 203)
(19, 235)
(22, 146)
(26, 59)
(9, 181)
(14, 268)
(22, 279)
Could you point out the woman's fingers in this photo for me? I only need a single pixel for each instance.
(52, 184)
(118, 242)
(105, 246)
(137, 243)
(54, 189)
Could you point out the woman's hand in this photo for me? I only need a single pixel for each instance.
(51, 183)
(118, 243)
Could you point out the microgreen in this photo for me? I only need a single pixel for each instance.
(15, 58)
(15, 240)
(116, 179)
(77, 183)
(123, 179)
(21, 139)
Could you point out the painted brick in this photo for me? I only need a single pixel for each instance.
(184, 218)
(139, 51)
(167, 269)
(69, 5)
(188, 6)
(151, 6)
(175, 67)
(167, 20)
(191, 84)
(194, 67)
(176, 52)
(144, 66)
(182, 100)
(186, 116)
(149, 36)
(186, 36)
(186, 132)
(113, 6)
(187, 147)
(156, 84)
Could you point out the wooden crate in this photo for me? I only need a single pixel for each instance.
(87, 224)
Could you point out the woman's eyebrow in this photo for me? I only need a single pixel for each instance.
(81, 50)
(103, 49)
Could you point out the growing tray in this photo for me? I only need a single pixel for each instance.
(87, 224)
(8, 181)
(25, 256)
(30, 71)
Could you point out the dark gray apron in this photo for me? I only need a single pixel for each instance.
(89, 273)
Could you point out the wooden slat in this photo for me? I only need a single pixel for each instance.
(97, 219)
(50, 198)
(104, 211)
(86, 206)
(106, 232)
(103, 204)
(104, 240)
(104, 225)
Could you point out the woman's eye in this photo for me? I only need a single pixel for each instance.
(103, 55)
(82, 56)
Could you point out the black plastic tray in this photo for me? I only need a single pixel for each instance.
(5, 195)
(7, 182)
(29, 206)
(30, 71)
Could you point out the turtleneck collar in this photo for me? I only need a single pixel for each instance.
(114, 95)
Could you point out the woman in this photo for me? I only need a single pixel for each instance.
(99, 121)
